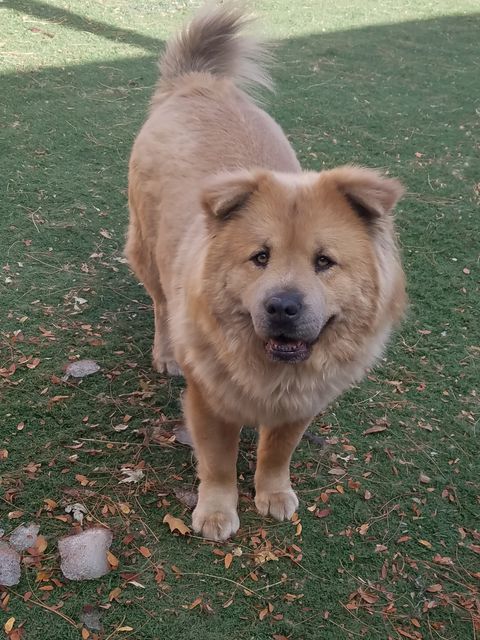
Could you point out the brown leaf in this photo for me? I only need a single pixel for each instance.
(363, 529)
(424, 479)
(198, 601)
(159, 575)
(14, 515)
(443, 560)
(474, 547)
(113, 595)
(426, 543)
(376, 429)
(112, 560)
(8, 626)
(176, 524)
(83, 480)
(434, 588)
(380, 548)
(188, 497)
(404, 538)
(368, 597)
(322, 513)
(146, 553)
(263, 613)
(228, 559)
(406, 634)
(337, 471)
(57, 399)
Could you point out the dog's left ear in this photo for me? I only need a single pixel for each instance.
(371, 195)
(226, 194)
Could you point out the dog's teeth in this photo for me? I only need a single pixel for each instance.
(286, 346)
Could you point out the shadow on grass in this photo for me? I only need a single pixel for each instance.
(76, 22)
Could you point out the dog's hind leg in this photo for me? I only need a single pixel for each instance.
(143, 263)
(162, 353)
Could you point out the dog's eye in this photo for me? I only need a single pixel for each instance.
(322, 263)
(260, 259)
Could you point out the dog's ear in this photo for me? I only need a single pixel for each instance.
(226, 194)
(370, 194)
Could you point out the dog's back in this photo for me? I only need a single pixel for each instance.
(202, 121)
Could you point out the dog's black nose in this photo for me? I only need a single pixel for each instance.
(284, 306)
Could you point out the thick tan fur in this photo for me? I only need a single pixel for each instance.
(212, 181)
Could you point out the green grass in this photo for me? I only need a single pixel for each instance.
(374, 84)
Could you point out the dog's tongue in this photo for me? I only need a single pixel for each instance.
(287, 346)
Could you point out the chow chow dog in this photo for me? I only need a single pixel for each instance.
(274, 289)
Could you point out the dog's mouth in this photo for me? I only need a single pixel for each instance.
(285, 349)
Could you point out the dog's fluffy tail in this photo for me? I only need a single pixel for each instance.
(215, 42)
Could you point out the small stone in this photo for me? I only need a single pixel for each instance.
(84, 555)
(82, 368)
(24, 536)
(9, 566)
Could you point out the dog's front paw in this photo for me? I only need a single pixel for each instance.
(279, 504)
(169, 367)
(215, 524)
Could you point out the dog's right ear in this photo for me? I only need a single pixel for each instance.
(226, 194)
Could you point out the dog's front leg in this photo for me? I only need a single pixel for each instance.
(273, 491)
(216, 447)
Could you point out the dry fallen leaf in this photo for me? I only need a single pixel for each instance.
(337, 471)
(131, 475)
(443, 560)
(186, 496)
(176, 524)
(112, 560)
(376, 429)
(114, 594)
(426, 543)
(83, 480)
(8, 626)
(146, 553)
(228, 560)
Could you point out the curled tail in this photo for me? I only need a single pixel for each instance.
(215, 42)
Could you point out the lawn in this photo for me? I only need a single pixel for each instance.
(387, 541)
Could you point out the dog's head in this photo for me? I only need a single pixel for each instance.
(305, 261)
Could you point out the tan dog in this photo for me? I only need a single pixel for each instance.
(273, 289)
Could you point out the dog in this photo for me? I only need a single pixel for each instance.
(274, 289)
